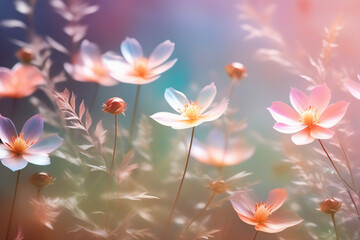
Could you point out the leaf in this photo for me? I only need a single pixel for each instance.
(22, 7)
(57, 46)
(88, 120)
(81, 109)
(12, 23)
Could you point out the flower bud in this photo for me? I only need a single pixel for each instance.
(25, 55)
(115, 106)
(330, 206)
(41, 179)
(236, 71)
(218, 186)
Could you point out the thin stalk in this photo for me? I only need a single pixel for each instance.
(336, 232)
(30, 29)
(256, 233)
(12, 206)
(132, 124)
(353, 201)
(346, 161)
(179, 190)
(110, 174)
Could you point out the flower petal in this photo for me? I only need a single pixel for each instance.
(4, 152)
(284, 128)
(299, 100)
(244, 206)
(162, 68)
(116, 64)
(206, 97)
(276, 199)
(46, 145)
(352, 86)
(283, 113)
(90, 53)
(175, 99)
(161, 53)
(134, 80)
(7, 130)
(303, 137)
(199, 152)
(14, 163)
(27, 75)
(278, 222)
(320, 97)
(173, 120)
(333, 114)
(321, 133)
(33, 128)
(215, 112)
(131, 50)
(37, 159)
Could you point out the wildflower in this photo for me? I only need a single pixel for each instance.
(236, 71)
(20, 81)
(25, 55)
(18, 150)
(41, 179)
(330, 206)
(261, 214)
(115, 106)
(134, 68)
(191, 114)
(312, 118)
(214, 153)
(89, 67)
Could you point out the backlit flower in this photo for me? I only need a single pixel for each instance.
(115, 106)
(190, 114)
(18, 150)
(261, 214)
(214, 152)
(133, 67)
(41, 179)
(20, 81)
(89, 67)
(312, 118)
(330, 206)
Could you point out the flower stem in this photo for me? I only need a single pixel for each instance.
(132, 124)
(256, 233)
(110, 174)
(12, 206)
(179, 190)
(336, 232)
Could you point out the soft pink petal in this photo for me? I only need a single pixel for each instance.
(37, 159)
(215, 112)
(90, 53)
(5, 78)
(321, 133)
(7, 130)
(161, 53)
(276, 199)
(116, 64)
(14, 163)
(131, 50)
(303, 137)
(162, 68)
(244, 206)
(176, 99)
(175, 121)
(320, 97)
(33, 128)
(199, 152)
(279, 222)
(206, 97)
(284, 113)
(134, 80)
(4, 152)
(353, 87)
(46, 145)
(28, 75)
(284, 128)
(299, 100)
(333, 114)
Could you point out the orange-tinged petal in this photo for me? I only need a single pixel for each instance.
(299, 100)
(321, 133)
(320, 97)
(333, 114)
(276, 199)
(303, 137)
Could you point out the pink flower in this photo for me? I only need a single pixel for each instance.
(213, 153)
(20, 149)
(20, 81)
(89, 67)
(312, 118)
(191, 114)
(260, 214)
(115, 106)
(353, 87)
(134, 68)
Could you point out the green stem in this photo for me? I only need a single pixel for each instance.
(12, 206)
(132, 124)
(336, 232)
(163, 234)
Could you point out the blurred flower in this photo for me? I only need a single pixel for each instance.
(353, 87)
(46, 210)
(218, 186)
(115, 106)
(214, 153)
(261, 214)
(18, 150)
(20, 81)
(312, 118)
(330, 206)
(89, 67)
(25, 55)
(236, 71)
(133, 67)
(192, 113)
(41, 179)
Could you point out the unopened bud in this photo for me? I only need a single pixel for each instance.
(41, 179)
(115, 106)
(25, 55)
(218, 186)
(330, 206)
(236, 71)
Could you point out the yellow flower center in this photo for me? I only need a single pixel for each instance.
(191, 110)
(262, 213)
(310, 117)
(99, 70)
(19, 145)
(141, 67)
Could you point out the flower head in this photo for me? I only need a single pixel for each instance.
(260, 214)
(41, 179)
(20, 81)
(330, 206)
(191, 114)
(312, 116)
(214, 152)
(25, 55)
(236, 71)
(218, 186)
(18, 150)
(89, 67)
(115, 106)
(134, 68)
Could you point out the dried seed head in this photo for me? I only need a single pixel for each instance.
(115, 106)
(236, 71)
(41, 179)
(25, 55)
(218, 186)
(330, 206)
